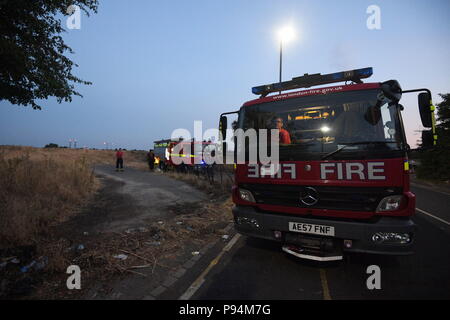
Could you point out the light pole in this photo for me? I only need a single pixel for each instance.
(281, 60)
(285, 35)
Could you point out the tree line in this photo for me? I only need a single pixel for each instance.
(435, 162)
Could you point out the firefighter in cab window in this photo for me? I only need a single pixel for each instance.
(285, 137)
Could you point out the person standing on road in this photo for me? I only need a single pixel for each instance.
(151, 160)
(119, 160)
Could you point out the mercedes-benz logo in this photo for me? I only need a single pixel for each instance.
(309, 196)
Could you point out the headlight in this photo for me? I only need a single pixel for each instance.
(390, 203)
(246, 195)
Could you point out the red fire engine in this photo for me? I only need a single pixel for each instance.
(190, 153)
(342, 180)
(164, 153)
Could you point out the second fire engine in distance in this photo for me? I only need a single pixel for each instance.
(342, 180)
(185, 155)
(162, 149)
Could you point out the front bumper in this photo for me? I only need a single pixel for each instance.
(359, 232)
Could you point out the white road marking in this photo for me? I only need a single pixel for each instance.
(201, 278)
(326, 291)
(430, 215)
(429, 188)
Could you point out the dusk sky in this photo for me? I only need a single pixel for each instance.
(160, 65)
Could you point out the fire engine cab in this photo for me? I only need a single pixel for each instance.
(342, 180)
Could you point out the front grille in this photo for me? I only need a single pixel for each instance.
(333, 198)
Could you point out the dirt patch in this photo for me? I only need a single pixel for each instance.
(111, 257)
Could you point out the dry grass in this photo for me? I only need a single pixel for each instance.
(43, 187)
(151, 253)
(135, 159)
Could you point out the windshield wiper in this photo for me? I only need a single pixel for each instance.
(346, 144)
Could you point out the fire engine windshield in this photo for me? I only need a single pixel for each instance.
(356, 122)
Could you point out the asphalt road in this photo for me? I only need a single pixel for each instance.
(258, 269)
(145, 196)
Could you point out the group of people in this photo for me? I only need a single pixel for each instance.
(119, 160)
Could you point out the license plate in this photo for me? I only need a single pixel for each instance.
(311, 228)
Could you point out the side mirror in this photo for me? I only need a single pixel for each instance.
(425, 109)
(427, 139)
(223, 124)
(392, 90)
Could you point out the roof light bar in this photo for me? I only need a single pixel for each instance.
(310, 80)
